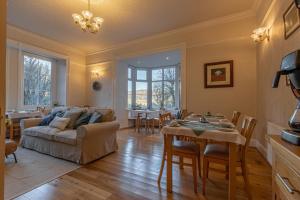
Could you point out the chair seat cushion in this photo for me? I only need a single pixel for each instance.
(186, 147)
(68, 137)
(220, 151)
(10, 147)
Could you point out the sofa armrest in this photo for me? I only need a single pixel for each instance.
(97, 140)
(30, 122)
(98, 128)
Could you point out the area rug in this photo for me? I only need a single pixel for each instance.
(32, 170)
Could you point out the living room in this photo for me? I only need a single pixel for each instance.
(97, 95)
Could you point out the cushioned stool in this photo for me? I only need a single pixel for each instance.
(10, 148)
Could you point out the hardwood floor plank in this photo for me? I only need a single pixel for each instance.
(131, 173)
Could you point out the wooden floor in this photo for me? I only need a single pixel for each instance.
(131, 173)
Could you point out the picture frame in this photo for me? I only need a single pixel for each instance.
(218, 74)
(291, 19)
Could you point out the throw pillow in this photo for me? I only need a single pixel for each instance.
(60, 123)
(73, 115)
(95, 118)
(60, 113)
(46, 120)
(83, 119)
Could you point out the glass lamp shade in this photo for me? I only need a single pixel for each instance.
(98, 20)
(83, 25)
(77, 18)
(95, 27)
(87, 14)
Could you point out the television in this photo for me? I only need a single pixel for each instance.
(297, 2)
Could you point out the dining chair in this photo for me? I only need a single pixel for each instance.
(183, 149)
(140, 119)
(145, 121)
(219, 153)
(161, 121)
(235, 117)
(184, 113)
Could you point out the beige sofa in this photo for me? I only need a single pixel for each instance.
(86, 144)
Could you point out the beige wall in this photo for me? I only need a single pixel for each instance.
(274, 105)
(217, 40)
(105, 97)
(241, 97)
(76, 75)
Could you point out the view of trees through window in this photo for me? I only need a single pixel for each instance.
(155, 88)
(37, 81)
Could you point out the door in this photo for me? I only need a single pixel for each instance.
(2, 90)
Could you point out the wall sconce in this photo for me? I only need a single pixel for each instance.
(260, 34)
(96, 74)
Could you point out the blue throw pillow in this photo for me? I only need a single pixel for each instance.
(60, 113)
(48, 119)
(95, 118)
(83, 119)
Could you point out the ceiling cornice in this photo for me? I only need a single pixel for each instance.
(213, 22)
(48, 40)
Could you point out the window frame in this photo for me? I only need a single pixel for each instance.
(21, 79)
(149, 82)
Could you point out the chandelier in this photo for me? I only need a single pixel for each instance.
(86, 20)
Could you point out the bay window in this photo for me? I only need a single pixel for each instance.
(153, 88)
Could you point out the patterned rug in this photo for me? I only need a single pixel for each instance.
(32, 170)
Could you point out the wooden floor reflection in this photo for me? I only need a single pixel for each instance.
(131, 173)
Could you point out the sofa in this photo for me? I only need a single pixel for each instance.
(82, 145)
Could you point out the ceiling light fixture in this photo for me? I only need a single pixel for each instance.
(86, 20)
(260, 34)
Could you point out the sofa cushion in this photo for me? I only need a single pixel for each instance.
(47, 120)
(68, 137)
(44, 132)
(83, 119)
(73, 114)
(60, 123)
(108, 115)
(95, 118)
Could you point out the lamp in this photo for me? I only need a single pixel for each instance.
(86, 20)
(260, 34)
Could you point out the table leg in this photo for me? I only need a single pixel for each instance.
(169, 162)
(232, 171)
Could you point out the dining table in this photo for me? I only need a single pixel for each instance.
(210, 131)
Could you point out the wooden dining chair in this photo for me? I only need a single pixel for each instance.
(219, 153)
(184, 149)
(162, 120)
(235, 117)
(139, 121)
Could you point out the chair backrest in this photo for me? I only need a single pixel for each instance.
(165, 117)
(235, 117)
(247, 130)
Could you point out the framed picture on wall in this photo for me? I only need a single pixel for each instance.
(291, 19)
(218, 74)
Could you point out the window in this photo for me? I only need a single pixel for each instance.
(153, 88)
(36, 81)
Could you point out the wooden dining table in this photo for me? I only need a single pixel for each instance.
(232, 137)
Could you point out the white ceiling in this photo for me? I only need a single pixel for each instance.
(155, 60)
(125, 20)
